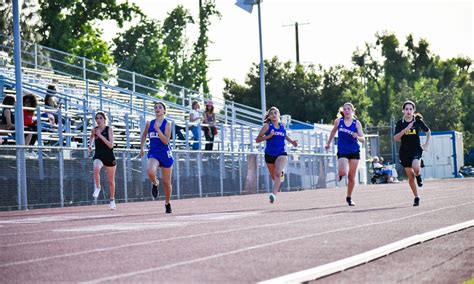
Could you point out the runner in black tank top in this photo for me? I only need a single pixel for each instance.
(103, 137)
(408, 132)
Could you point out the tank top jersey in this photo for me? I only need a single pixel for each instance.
(102, 151)
(276, 144)
(157, 148)
(346, 144)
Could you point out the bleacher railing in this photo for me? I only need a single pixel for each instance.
(41, 57)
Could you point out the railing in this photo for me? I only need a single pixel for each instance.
(45, 58)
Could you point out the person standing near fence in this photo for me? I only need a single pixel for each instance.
(210, 130)
(408, 132)
(349, 131)
(274, 133)
(195, 121)
(103, 138)
(158, 132)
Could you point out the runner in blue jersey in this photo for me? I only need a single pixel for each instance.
(349, 131)
(158, 131)
(408, 132)
(274, 133)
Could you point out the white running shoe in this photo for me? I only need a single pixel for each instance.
(96, 192)
(112, 205)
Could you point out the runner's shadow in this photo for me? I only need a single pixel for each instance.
(369, 210)
(307, 209)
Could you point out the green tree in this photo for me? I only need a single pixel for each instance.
(140, 49)
(69, 25)
(199, 58)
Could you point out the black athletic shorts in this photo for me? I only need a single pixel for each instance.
(352, 156)
(406, 160)
(271, 159)
(108, 159)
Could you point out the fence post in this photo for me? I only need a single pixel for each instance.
(133, 82)
(100, 95)
(125, 181)
(199, 166)
(178, 185)
(36, 56)
(40, 143)
(84, 69)
(61, 176)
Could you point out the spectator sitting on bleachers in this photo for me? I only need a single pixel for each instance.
(50, 103)
(29, 100)
(7, 121)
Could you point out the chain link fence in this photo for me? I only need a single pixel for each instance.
(58, 177)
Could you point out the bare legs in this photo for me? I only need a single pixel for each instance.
(275, 171)
(152, 166)
(349, 168)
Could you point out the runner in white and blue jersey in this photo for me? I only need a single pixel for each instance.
(158, 131)
(350, 133)
(274, 133)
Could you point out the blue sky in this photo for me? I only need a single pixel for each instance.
(335, 29)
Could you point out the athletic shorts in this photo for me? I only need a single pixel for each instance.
(406, 160)
(165, 160)
(271, 159)
(352, 156)
(107, 159)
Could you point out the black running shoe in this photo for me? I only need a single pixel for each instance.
(350, 202)
(340, 178)
(168, 208)
(154, 191)
(416, 202)
(419, 181)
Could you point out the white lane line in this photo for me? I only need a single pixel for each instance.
(142, 226)
(45, 219)
(121, 232)
(162, 240)
(346, 263)
(155, 269)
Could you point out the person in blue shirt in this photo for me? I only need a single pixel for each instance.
(408, 132)
(274, 133)
(158, 131)
(349, 131)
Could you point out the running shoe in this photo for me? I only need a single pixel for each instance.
(419, 180)
(272, 198)
(416, 202)
(154, 189)
(350, 202)
(168, 208)
(112, 205)
(96, 192)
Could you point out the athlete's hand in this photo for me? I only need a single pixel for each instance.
(89, 149)
(142, 152)
(327, 146)
(294, 143)
(355, 135)
(410, 125)
(425, 146)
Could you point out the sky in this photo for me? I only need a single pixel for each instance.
(329, 30)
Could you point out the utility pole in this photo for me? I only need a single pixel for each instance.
(296, 24)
